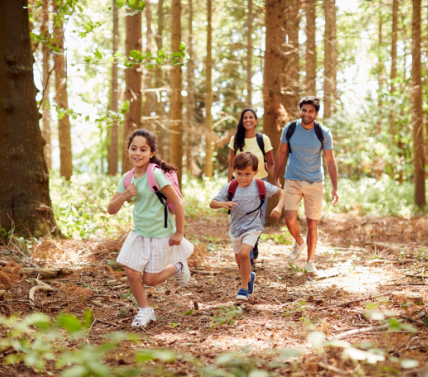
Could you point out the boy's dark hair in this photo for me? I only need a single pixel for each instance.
(310, 100)
(245, 159)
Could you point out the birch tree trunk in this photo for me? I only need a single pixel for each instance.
(114, 132)
(133, 85)
(311, 52)
(417, 113)
(61, 97)
(176, 129)
(159, 83)
(24, 188)
(190, 96)
(274, 113)
(249, 102)
(46, 117)
(208, 100)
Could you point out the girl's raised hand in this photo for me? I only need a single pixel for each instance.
(130, 191)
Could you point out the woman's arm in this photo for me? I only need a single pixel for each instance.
(230, 171)
(118, 199)
(172, 196)
(270, 163)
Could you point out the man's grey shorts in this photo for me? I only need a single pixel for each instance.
(248, 238)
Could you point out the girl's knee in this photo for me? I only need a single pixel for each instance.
(132, 274)
(244, 255)
(149, 280)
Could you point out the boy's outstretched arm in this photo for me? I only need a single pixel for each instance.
(227, 205)
(276, 212)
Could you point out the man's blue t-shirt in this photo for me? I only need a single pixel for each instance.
(305, 161)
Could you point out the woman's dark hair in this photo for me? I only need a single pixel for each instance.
(310, 100)
(239, 140)
(151, 140)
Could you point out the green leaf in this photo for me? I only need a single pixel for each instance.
(88, 318)
(190, 312)
(40, 320)
(98, 54)
(69, 322)
(76, 371)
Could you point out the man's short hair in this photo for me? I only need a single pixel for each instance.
(310, 100)
(245, 159)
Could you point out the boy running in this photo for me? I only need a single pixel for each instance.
(245, 209)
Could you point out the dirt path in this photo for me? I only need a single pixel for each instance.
(204, 320)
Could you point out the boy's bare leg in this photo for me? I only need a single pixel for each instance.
(137, 287)
(244, 264)
(312, 237)
(159, 277)
(293, 225)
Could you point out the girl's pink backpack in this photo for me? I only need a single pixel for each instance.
(172, 176)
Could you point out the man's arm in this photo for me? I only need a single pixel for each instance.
(279, 162)
(332, 172)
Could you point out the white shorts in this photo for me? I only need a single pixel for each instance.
(151, 254)
(249, 238)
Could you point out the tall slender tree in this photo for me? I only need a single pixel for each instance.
(133, 84)
(46, 116)
(417, 112)
(114, 132)
(159, 81)
(274, 113)
(61, 97)
(311, 52)
(176, 128)
(393, 64)
(190, 94)
(208, 99)
(249, 54)
(291, 90)
(24, 190)
(148, 73)
(328, 56)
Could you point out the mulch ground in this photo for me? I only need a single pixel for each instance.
(358, 260)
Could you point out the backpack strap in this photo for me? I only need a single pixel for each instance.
(319, 133)
(155, 188)
(262, 196)
(231, 191)
(289, 134)
(128, 178)
(260, 142)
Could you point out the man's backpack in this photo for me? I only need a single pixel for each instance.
(260, 143)
(172, 176)
(262, 194)
(292, 128)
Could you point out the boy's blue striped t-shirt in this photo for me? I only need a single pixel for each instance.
(305, 161)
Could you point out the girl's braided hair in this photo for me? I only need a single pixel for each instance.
(151, 140)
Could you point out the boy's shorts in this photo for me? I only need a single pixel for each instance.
(312, 192)
(248, 238)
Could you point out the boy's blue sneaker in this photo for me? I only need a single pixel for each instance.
(242, 294)
(251, 282)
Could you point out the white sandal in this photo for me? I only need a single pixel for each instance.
(143, 318)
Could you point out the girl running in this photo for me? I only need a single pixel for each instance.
(246, 139)
(156, 250)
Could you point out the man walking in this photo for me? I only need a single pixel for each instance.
(303, 140)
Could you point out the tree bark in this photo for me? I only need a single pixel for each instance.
(61, 97)
(46, 117)
(190, 96)
(291, 89)
(311, 51)
(24, 190)
(249, 102)
(274, 116)
(328, 55)
(176, 129)
(159, 82)
(417, 113)
(133, 86)
(208, 100)
(114, 132)
(148, 72)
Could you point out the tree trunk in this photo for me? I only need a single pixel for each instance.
(311, 51)
(190, 96)
(133, 86)
(46, 117)
(176, 129)
(159, 82)
(114, 132)
(380, 68)
(249, 102)
(24, 191)
(291, 90)
(274, 113)
(61, 98)
(328, 61)
(148, 73)
(417, 113)
(334, 58)
(208, 100)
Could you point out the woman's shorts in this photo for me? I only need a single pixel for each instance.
(151, 254)
(248, 238)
